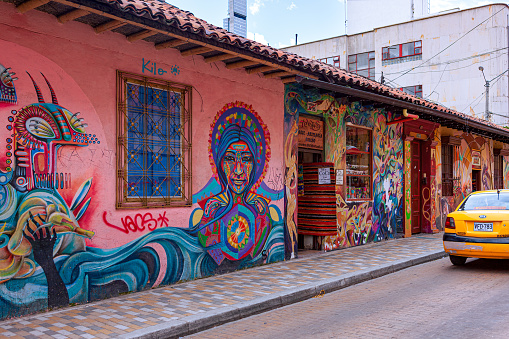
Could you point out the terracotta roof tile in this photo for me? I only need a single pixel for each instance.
(186, 21)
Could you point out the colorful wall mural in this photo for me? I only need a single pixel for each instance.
(462, 169)
(357, 222)
(61, 240)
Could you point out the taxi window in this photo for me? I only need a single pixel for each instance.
(486, 201)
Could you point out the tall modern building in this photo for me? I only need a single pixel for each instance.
(236, 22)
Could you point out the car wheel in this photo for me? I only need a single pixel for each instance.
(458, 261)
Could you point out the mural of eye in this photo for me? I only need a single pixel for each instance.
(35, 125)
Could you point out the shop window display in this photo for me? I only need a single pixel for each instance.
(358, 163)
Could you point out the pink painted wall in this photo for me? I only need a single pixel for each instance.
(81, 67)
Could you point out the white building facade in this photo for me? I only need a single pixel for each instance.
(435, 57)
(365, 15)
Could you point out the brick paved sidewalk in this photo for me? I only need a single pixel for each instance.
(196, 305)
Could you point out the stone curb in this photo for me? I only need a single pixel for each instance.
(201, 322)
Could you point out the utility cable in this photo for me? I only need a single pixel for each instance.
(454, 42)
(439, 80)
(453, 61)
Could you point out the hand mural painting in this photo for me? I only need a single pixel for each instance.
(236, 222)
(43, 241)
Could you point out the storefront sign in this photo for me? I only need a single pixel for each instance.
(324, 176)
(310, 133)
(339, 177)
(476, 159)
(418, 136)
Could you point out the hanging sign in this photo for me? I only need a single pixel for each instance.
(324, 176)
(476, 159)
(310, 133)
(339, 177)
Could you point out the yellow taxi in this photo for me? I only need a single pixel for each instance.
(479, 227)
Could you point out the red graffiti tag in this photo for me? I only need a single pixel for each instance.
(139, 223)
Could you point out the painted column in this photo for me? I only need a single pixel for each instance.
(408, 180)
(291, 131)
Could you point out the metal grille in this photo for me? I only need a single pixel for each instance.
(153, 142)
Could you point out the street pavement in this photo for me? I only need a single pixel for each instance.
(197, 305)
(432, 300)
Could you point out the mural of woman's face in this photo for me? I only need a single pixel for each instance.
(237, 166)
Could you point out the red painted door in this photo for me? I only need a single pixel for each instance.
(416, 187)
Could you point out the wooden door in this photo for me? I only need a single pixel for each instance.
(416, 186)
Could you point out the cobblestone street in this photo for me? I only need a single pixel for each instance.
(432, 300)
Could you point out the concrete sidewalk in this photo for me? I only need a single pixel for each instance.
(194, 306)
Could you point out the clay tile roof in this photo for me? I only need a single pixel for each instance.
(185, 21)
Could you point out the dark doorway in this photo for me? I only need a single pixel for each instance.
(476, 180)
(416, 186)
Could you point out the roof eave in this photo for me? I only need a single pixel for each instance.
(472, 125)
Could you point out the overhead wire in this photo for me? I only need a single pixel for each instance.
(455, 60)
(439, 80)
(450, 45)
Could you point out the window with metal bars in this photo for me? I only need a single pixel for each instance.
(153, 142)
(499, 172)
(447, 170)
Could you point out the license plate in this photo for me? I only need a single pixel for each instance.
(483, 226)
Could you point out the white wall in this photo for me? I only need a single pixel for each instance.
(452, 77)
(364, 15)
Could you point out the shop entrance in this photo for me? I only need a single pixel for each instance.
(416, 186)
(307, 156)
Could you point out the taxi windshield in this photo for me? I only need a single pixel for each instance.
(486, 201)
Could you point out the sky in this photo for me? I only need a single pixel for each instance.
(275, 22)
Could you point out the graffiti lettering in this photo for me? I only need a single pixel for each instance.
(275, 179)
(153, 69)
(139, 223)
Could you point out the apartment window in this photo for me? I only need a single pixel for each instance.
(447, 170)
(499, 172)
(358, 163)
(362, 64)
(153, 142)
(409, 51)
(413, 90)
(333, 61)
